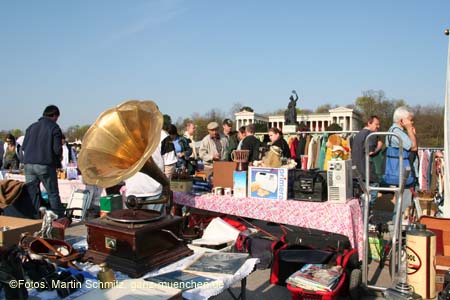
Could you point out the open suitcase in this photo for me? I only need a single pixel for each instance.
(346, 260)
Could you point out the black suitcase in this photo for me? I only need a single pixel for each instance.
(258, 245)
(317, 239)
(307, 237)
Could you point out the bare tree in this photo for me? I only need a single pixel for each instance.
(235, 108)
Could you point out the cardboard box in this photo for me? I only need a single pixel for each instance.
(440, 277)
(240, 184)
(111, 202)
(181, 185)
(223, 173)
(16, 226)
(268, 183)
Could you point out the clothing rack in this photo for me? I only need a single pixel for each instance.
(431, 148)
(322, 132)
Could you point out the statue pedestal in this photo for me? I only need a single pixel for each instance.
(289, 129)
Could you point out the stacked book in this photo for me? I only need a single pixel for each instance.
(316, 277)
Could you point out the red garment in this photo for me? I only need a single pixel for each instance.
(236, 224)
(293, 147)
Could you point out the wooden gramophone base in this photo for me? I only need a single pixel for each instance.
(135, 248)
(137, 268)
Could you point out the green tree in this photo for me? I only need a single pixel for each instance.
(201, 121)
(367, 104)
(304, 111)
(247, 108)
(385, 111)
(428, 121)
(76, 132)
(17, 132)
(375, 103)
(276, 112)
(323, 108)
(261, 127)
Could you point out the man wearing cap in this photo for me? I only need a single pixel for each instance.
(231, 135)
(214, 146)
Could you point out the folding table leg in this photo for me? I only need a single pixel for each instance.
(242, 294)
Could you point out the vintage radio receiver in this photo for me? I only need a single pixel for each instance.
(340, 181)
(310, 185)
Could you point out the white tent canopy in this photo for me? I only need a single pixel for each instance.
(446, 208)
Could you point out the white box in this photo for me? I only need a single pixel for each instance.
(340, 181)
(268, 183)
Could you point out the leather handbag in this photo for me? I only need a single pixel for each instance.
(57, 251)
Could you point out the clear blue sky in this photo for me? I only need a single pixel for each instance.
(194, 56)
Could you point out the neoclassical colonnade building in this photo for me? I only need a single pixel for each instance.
(345, 117)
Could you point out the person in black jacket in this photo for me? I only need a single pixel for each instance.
(42, 148)
(276, 137)
(251, 143)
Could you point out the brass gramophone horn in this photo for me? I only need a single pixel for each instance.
(120, 143)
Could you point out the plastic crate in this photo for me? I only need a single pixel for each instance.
(301, 294)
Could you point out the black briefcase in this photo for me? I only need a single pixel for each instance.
(310, 185)
(317, 239)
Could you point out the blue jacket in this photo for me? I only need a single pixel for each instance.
(42, 143)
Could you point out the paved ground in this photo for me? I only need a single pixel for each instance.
(258, 286)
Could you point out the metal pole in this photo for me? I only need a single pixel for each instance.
(396, 238)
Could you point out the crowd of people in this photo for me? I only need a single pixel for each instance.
(181, 153)
(403, 126)
(43, 150)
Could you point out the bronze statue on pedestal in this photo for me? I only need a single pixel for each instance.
(290, 115)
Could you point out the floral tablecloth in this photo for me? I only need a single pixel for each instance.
(344, 219)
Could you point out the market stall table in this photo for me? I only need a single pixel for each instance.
(66, 187)
(344, 219)
(90, 288)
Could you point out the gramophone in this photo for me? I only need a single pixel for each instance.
(118, 145)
